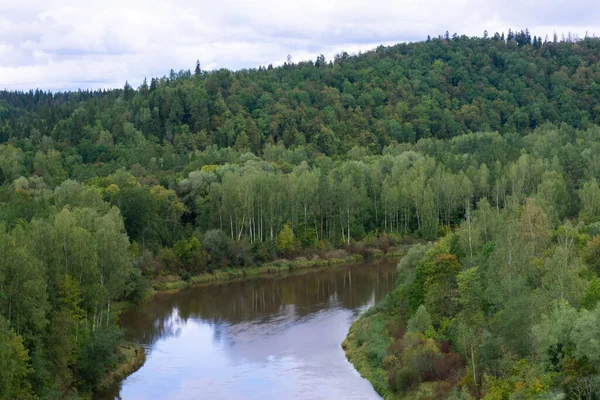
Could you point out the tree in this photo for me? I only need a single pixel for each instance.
(553, 196)
(535, 227)
(553, 334)
(420, 322)
(114, 257)
(49, 166)
(11, 163)
(589, 195)
(14, 365)
(562, 277)
(285, 240)
(428, 214)
(23, 301)
(98, 356)
(217, 244)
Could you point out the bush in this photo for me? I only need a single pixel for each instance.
(409, 262)
(217, 244)
(185, 275)
(376, 350)
(444, 367)
(361, 336)
(594, 229)
(240, 253)
(98, 356)
(405, 379)
(390, 361)
(285, 241)
(396, 348)
(167, 260)
(147, 264)
(264, 251)
(591, 296)
(136, 286)
(421, 321)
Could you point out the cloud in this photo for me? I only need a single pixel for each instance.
(64, 44)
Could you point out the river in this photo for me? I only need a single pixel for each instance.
(263, 338)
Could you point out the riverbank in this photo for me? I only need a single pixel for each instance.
(398, 351)
(171, 282)
(365, 348)
(131, 358)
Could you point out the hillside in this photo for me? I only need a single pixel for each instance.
(438, 88)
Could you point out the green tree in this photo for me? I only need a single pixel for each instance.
(15, 369)
(285, 240)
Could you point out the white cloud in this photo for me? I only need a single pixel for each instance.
(64, 44)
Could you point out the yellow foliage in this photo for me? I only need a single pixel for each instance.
(209, 168)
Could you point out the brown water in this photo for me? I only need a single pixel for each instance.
(264, 338)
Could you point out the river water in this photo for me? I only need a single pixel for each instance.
(263, 338)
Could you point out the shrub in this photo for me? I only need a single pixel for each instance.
(285, 240)
(594, 229)
(444, 367)
(396, 348)
(409, 262)
(361, 336)
(264, 251)
(421, 321)
(167, 259)
(136, 286)
(147, 264)
(185, 275)
(406, 379)
(240, 254)
(217, 244)
(98, 356)
(390, 361)
(591, 296)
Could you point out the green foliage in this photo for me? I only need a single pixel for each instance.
(98, 355)
(591, 296)
(420, 322)
(490, 142)
(592, 253)
(405, 380)
(285, 240)
(218, 245)
(512, 318)
(136, 286)
(14, 365)
(408, 263)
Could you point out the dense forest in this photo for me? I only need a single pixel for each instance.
(489, 142)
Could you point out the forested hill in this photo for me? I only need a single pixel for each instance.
(490, 142)
(438, 88)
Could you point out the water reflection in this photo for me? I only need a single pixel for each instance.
(275, 337)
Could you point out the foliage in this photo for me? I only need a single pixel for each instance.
(285, 240)
(490, 142)
(521, 322)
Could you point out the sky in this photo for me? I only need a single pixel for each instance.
(65, 44)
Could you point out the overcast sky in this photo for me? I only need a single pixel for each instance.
(66, 44)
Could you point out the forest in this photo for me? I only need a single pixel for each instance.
(486, 144)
